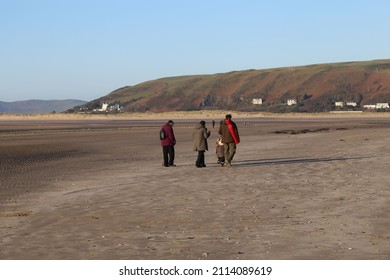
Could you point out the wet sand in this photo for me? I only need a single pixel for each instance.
(299, 188)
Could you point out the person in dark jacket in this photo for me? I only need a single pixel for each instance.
(200, 135)
(230, 137)
(168, 144)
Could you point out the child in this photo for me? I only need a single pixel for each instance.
(220, 152)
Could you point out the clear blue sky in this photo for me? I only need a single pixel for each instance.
(84, 49)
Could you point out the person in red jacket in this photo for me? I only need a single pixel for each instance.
(168, 144)
(230, 138)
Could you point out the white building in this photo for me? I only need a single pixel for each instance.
(339, 104)
(382, 106)
(257, 101)
(115, 108)
(291, 102)
(103, 109)
(353, 104)
(369, 106)
(377, 106)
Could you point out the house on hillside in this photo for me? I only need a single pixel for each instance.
(291, 102)
(106, 108)
(382, 106)
(352, 104)
(257, 101)
(115, 108)
(369, 107)
(103, 108)
(377, 106)
(339, 104)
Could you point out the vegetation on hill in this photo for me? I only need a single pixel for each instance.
(315, 88)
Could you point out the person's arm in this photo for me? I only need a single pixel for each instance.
(173, 136)
(206, 133)
(236, 130)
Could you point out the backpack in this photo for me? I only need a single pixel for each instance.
(163, 134)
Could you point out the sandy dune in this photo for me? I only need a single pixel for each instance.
(94, 188)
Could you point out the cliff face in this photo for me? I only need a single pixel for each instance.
(315, 87)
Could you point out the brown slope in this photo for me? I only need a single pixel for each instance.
(316, 87)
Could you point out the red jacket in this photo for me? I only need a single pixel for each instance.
(226, 134)
(170, 140)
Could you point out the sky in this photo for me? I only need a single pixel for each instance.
(84, 49)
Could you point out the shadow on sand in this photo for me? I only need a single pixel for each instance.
(293, 160)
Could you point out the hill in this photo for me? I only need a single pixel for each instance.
(315, 88)
(38, 106)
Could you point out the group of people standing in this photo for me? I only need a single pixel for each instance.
(225, 145)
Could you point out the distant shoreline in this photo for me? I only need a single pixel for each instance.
(188, 115)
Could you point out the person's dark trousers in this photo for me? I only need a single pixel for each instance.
(200, 159)
(169, 155)
(230, 151)
(221, 159)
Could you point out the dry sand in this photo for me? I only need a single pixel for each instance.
(312, 187)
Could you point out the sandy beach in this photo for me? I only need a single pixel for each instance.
(301, 187)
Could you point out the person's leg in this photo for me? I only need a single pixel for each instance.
(171, 152)
(202, 163)
(200, 159)
(165, 156)
(226, 150)
(232, 149)
(197, 163)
